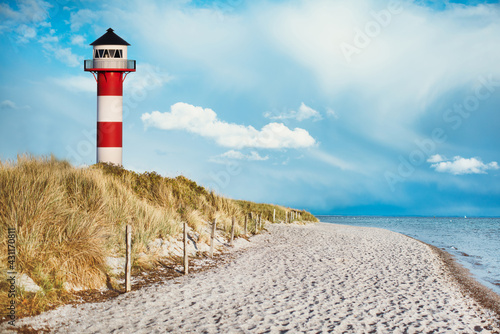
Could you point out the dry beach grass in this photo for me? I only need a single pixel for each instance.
(68, 220)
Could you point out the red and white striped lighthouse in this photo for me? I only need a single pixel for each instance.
(109, 66)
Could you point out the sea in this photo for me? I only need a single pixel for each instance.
(475, 242)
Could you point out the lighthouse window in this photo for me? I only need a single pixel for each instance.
(99, 54)
(111, 53)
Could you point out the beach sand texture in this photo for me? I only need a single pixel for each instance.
(314, 278)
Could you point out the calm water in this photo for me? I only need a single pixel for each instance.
(475, 242)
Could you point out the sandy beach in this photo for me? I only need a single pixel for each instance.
(314, 278)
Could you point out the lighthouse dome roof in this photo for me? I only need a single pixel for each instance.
(109, 38)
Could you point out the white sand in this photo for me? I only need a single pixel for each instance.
(321, 277)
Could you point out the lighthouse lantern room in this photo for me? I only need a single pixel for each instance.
(109, 66)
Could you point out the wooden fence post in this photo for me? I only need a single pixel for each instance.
(260, 221)
(256, 221)
(274, 215)
(128, 258)
(232, 233)
(186, 263)
(212, 237)
(246, 218)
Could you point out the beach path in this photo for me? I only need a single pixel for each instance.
(314, 278)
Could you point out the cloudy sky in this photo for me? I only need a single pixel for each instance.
(339, 107)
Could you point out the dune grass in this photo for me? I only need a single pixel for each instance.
(68, 220)
(268, 210)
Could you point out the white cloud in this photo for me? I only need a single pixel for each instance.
(304, 112)
(29, 20)
(25, 33)
(28, 11)
(63, 54)
(459, 165)
(10, 105)
(54, 48)
(78, 40)
(232, 154)
(436, 158)
(82, 17)
(24, 20)
(254, 156)
(49, 39)
(204, 122)
(332, 113)
(237, 155)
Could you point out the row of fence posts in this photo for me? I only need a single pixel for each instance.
(258, 225)
(289, 217)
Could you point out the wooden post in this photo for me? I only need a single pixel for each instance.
(128, 258)
(212, 237)
(186, 263)
(256, 225)
(274, 215)
(246, 218)
(232, 233)
(260, 221)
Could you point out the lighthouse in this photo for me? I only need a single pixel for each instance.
(110, 67)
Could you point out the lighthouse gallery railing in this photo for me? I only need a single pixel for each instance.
(109, 63)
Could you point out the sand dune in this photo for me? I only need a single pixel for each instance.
(316, 278)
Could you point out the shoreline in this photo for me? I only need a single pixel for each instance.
(483, 295)
(318, 277)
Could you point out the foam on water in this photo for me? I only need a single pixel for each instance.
(475, 242)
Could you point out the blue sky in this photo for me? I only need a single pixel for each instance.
(338, 107)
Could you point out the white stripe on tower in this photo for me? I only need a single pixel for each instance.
(109, 108)
(110, 154)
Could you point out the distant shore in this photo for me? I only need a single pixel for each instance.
(318, 277)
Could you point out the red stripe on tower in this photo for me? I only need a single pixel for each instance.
(109, 65)
(110, 83)
(109, 134)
